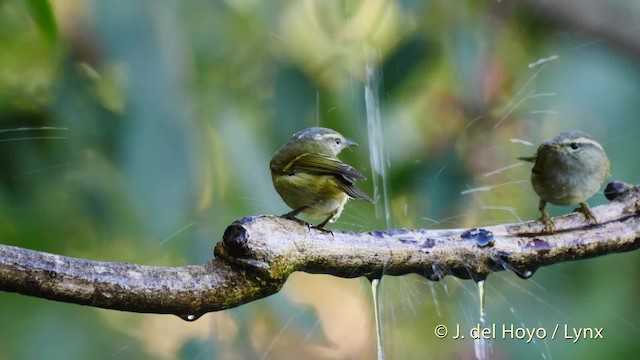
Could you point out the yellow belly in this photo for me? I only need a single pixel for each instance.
(320, 194)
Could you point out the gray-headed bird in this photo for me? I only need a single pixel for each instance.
(310, 178)
(568, 170)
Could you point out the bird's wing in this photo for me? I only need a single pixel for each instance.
(350, 189)
(313, 163)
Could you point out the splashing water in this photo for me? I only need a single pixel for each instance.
(376, 142)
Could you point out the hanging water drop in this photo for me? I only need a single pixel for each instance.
(480, 344)
(525, 273)
(190, 317)
(481, 296)
(376, 309)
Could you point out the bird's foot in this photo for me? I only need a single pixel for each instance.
(331, 218)
(584, 209)
(292, 216)
(549, 226)
(321, 228)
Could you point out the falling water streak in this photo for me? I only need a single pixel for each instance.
(504, 208)
(481, 188)
(379, 172)
(481, 293)
(176, 233)
(36, 138)
(544, 60)
(376, 141)
(513, 109)
(526, 85)
(436, 303)
(480, 344)
(33, 129)
(278, 336)
(498, 171)
(376, 309)
(544, 112)
(439, 172)
(41, 169)
(520, 141)
(533, 96)
(474, 121)
(317, 108)
(509, 108)
(487, 188)
(588, 43)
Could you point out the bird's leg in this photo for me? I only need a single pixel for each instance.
(549, 226)
(584, 208)
(291, 215)
(325, 222)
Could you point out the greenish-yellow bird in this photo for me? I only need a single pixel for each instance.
(310, 178)
(568, 170)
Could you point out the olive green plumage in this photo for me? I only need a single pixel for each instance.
(310, 178)
(568, 170)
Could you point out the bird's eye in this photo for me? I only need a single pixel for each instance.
(574, 146)
(338, 141)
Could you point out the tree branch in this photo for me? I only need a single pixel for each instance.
(258, 253)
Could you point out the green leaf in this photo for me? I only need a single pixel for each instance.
(44, 18)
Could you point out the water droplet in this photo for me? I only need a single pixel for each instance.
(190, 317)
(437, 273)
(482, 237)
(525, 273)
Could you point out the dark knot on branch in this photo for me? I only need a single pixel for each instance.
(235, 240)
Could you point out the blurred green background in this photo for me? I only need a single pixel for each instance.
(137, 131)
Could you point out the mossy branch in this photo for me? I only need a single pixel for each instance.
(258, 253)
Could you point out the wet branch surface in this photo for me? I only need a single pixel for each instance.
(258, 253)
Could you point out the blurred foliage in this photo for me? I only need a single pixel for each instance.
(137, 131)
(43, 17)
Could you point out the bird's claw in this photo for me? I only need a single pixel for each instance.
(549, 225)
(292, 217)
(322, 229)
(584, 209)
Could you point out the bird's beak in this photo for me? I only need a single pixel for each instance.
(349, 142)
(551, 144)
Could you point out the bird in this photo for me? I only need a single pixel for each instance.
(309, 177)
(568, 170)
